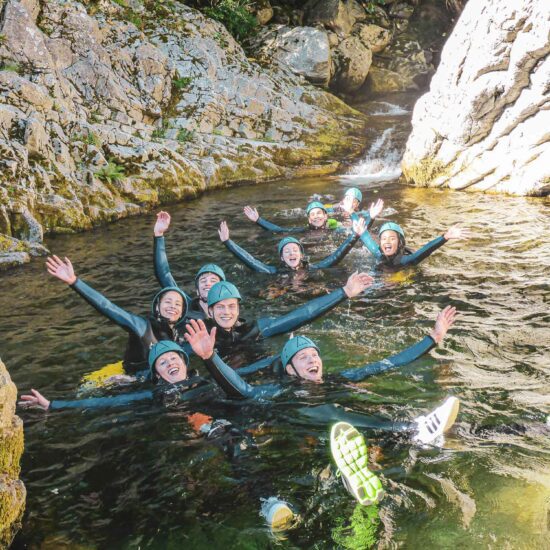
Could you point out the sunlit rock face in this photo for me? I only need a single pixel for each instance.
(106, 111)
(12, 490)
(485, 123)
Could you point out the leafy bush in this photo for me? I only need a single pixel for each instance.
(235, 15)
(112, 173)
(182, 83)
(184, 135)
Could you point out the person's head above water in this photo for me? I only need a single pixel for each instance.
(291, 252)
(300, 357)
(207, 276)
(317, 216)
(223, 304)
(352, 199)
(169, 304)
(392, 238)
(168, 361)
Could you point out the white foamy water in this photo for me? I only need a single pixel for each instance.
(382, 162)
(385, 108)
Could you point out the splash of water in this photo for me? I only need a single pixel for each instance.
(382, 163)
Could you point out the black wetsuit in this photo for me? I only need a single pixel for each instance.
(256, 265)
(143, 331)
(404, 256)
(165, 278)
(265, 327)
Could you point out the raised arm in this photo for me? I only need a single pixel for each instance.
(247, 258)
(160, 260)
(228, 379)
(444, 321)
(252, 214)
(359, 227)
(415, 258)
(271, 326)
(64, 271)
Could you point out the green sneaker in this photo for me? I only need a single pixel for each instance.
(349, 451)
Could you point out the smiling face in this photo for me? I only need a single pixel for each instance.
(291, 255)
(205, 283)
(171, 367)
(389, 242)
(317, 217)
(225, 313)
(171, 306)
(306, 364)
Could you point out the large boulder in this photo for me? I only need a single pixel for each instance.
(304, 50)
(484, 123)
(352, 61)
(374, 37)
(336, 15)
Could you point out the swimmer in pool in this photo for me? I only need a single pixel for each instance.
(291, 252)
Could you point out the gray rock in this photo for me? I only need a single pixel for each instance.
(484, 123)
(374, 37)
(336, 15)
(353, 61)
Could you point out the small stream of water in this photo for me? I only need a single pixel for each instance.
(142, 477)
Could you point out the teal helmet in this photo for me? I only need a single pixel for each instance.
(221, 291)
(355, 193)
(293, 346)
(391, 226)
(288, 240)
(210, 268)
(315, 204)
(161, 347)
(155, 306)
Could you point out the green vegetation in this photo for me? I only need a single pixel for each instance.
(361, 532)
(370, 6)
(182, 83)
(2, 39)
(11, 67)
(111, 173)
(235, 15)
(89, 138)
(184, 135)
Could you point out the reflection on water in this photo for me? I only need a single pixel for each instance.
(143, 477)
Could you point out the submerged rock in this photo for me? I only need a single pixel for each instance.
(105, 111)
(12, 490)
(484, 123)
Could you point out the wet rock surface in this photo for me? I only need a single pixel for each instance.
(484, 124)
(106, 112)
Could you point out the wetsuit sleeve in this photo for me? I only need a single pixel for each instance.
(277, 228)
(270, 326)
(364, 214)
(232, 384)
(162, 268)
(422, 253)
(338, 254)
(129, 321)
(247, 258)
(371, 245)
(259, 365)
(405, 357)
(102, 402)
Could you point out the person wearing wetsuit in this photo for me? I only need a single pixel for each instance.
(166, 321)
(207, 276)
(291, 252)
(224, 308)
(350, 204)
(300, 359)
(392, 254)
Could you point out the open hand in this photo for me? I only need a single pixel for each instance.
(445, 320)
(376, 208)
(223, 232)
(357, 283)
(63, 270)
(251, 213)
(162, 224)
(359, 226)
(456, 232)
(36, 399)
(201, 342)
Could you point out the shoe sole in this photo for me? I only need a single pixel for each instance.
(350, 453)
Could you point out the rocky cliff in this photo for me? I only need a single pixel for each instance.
(12, 490)
(485, 123)
(107, 109)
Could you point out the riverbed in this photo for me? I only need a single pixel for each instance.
(143, 477)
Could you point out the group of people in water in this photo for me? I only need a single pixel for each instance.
(206, 324)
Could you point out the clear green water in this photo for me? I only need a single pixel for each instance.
(141, 477)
